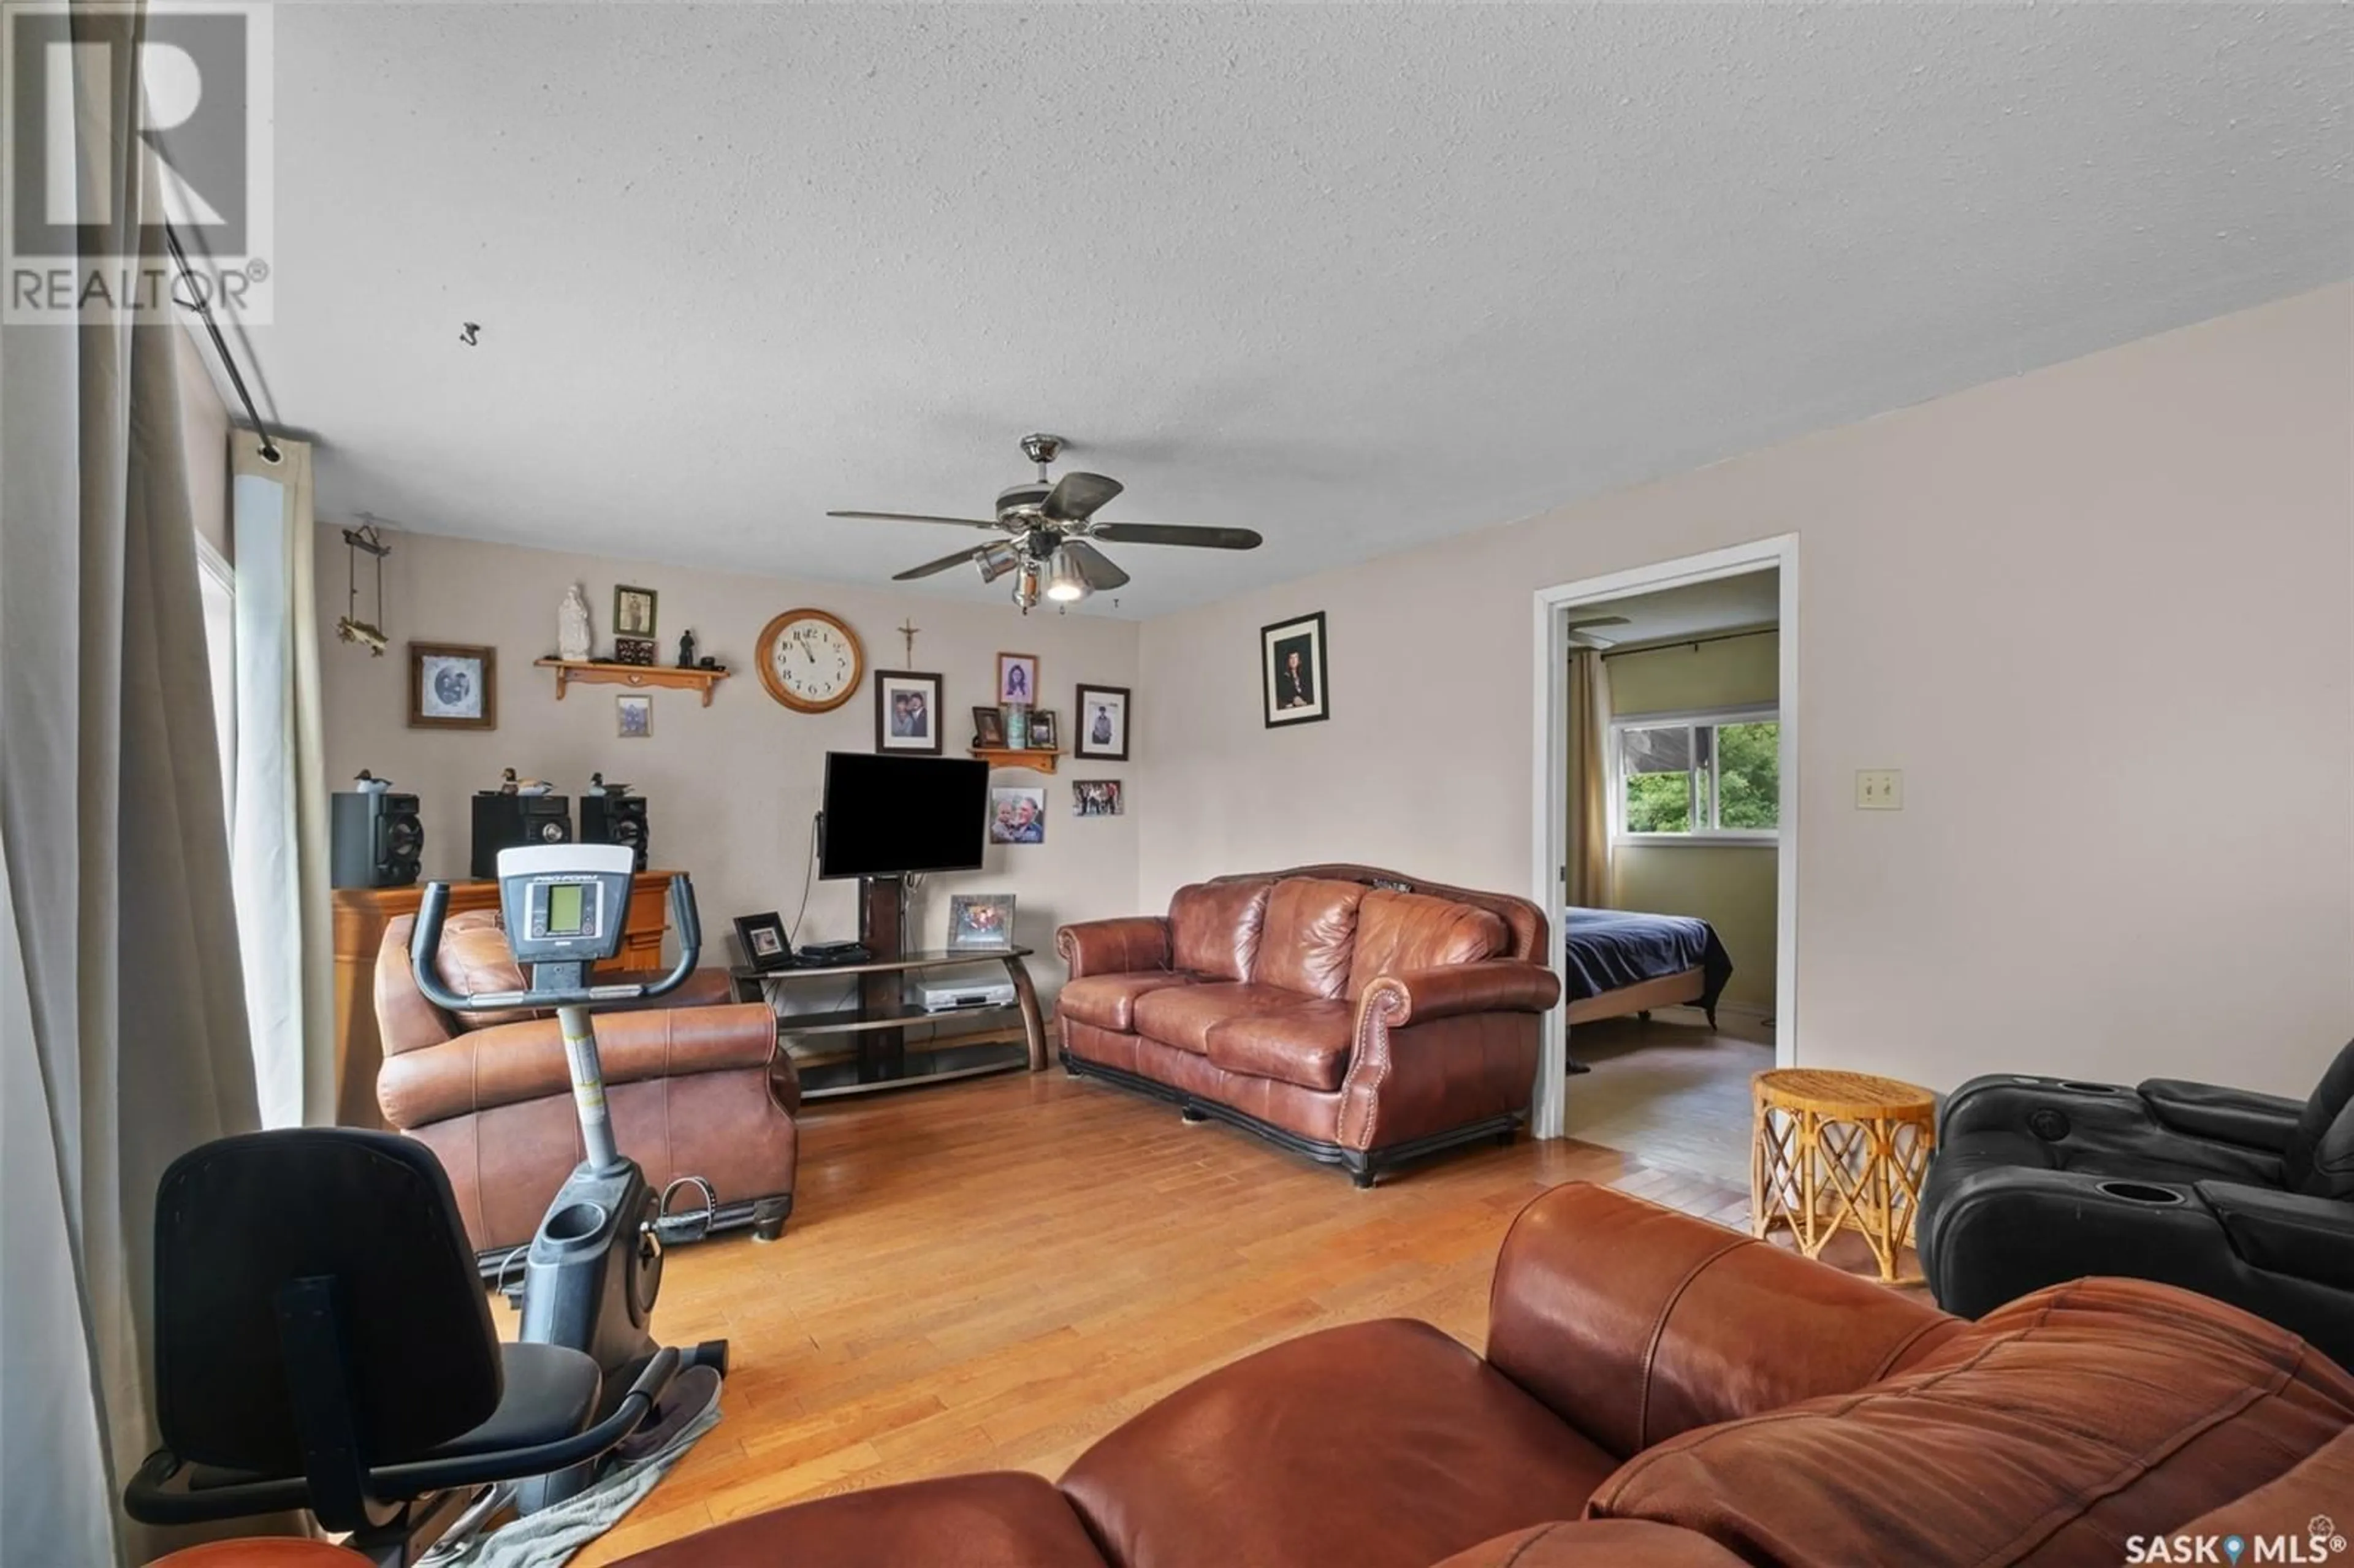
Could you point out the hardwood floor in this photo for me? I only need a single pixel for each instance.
(996, 1273)
(1670, 1092)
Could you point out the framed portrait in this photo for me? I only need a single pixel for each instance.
(907, 711)
(633, 611)
(1017, 680)
(453, 685)
(988, 727)
(1291, 659)
(1017, 815)
(1043, 736)
(1096, 797)
(763, 939)
(634, 716)
(1099, 716)
(980, 920)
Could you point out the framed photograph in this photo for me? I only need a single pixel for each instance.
(633, 611)
(634, 650)
(1017, 680)
(635, 712)
(1096, 798)
(988, 727)
(1017, 815)
(1101, 723)
(1291, 655)
(763, 939)
(453, 685)
(980, 920)
(1042, 730)
(907, 711)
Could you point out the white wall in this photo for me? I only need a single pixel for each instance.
(731, 788)
(2100, 616)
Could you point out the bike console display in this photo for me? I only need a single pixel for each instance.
(565, 902)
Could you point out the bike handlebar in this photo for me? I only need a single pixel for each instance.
(425, 942)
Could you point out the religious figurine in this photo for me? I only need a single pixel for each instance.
(686, 648)
(572, 626)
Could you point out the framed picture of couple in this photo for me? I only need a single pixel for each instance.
(907, 711)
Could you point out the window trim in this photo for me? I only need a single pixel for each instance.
(1693, 718)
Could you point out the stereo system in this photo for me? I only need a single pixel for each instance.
(510, 821)
(615, 820)
(375, 838)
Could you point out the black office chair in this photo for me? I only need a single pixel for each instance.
(323, 1342)
(2248, 1198)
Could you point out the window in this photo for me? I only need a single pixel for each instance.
(218, 585)
(1698, 775)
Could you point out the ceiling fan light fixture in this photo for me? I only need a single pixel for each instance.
(1025, 587)
(1065, 585)
(995, 560)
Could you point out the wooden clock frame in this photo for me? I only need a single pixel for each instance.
(765, 655)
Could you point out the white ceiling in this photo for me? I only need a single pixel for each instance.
(1695, 609)
(1357, 277)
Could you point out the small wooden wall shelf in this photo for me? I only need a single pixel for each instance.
(599, 672)
(1010, 757)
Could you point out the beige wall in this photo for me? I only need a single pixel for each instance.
(1733, 887)
(2087, 610)
(732, 787)
(203, 435)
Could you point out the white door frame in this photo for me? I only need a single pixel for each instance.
(1549, 788)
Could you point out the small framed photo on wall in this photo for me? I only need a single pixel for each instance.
(907, 711)
(1017, 680)
(1099, 722)
(1291, 657)
(633, 611)
(634, 717)
(453, 685)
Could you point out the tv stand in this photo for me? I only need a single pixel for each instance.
(866, 1048)
(882, 929)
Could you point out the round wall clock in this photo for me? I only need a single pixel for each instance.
(810, 660)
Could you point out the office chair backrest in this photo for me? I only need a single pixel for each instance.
(239, 1219)
(2320, 1161)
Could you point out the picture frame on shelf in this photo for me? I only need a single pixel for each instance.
(634, 650)
(1292, 665)
(907, 711)
(980, 920)
(634, 716)
(764, 942)
(1042, 730)
(634, 611)
(1017, 680)
(453, 685)
(988, 728)
(1099, 722)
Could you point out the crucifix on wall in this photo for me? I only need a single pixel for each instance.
(908, 630)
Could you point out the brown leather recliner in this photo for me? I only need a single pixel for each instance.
(695, 1080)
(1660, 1393)
(1352, 1014)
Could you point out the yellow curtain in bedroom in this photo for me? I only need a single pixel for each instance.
(1588, 881)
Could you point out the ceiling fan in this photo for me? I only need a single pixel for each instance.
(1580, 637)
(1048, 530)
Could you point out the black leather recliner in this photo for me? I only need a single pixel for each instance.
(2248, 1198)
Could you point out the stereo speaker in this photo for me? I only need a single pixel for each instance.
(510, 821)
(615, 820)
(375, 838)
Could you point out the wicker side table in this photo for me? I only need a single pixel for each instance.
(1838, 1151)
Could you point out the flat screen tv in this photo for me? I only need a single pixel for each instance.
(889, 815)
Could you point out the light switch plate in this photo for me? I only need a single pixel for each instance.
(1880, 789)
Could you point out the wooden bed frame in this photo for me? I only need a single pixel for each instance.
(1667, 990)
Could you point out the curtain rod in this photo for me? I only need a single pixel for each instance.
(1692, 641)
(196, 302)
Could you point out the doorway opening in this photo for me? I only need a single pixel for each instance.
(1666, 851)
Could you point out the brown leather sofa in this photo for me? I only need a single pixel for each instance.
(694, 1081)
(1660, 1392)
(1352, 1014)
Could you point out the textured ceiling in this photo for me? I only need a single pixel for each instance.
(1357, 277)
(1695, 609)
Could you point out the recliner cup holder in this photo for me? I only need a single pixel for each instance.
(574, 1222)
(2141, 1193)
(2074, 1087)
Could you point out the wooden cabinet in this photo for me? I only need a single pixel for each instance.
(361, 914)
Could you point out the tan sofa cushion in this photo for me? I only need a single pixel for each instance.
(1309, 933)
(1400, 932)
(1306, 1043)
(1183, 1015)
(1214, 928)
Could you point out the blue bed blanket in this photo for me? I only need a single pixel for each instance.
(1608, 948)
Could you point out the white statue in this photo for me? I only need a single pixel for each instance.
(572, 626)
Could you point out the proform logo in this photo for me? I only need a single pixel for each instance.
(2320, 1543)
(95, 96)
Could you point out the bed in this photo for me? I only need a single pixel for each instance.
(1618, 961)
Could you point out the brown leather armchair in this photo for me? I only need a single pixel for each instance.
(696, 1086)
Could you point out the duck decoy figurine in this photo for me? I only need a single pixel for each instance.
(597, 786)
(369, 783)
(511, 785)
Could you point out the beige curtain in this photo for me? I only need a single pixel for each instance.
(121, 1016)
(1588, 879)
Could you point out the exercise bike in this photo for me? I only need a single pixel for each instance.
(323, 1340)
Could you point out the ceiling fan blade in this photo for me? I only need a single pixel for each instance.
(943, 563)
(1176, 534)
(1587, 640)
(1075, 497)
(1597, 621)
(1095, 568)
(918, 517)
